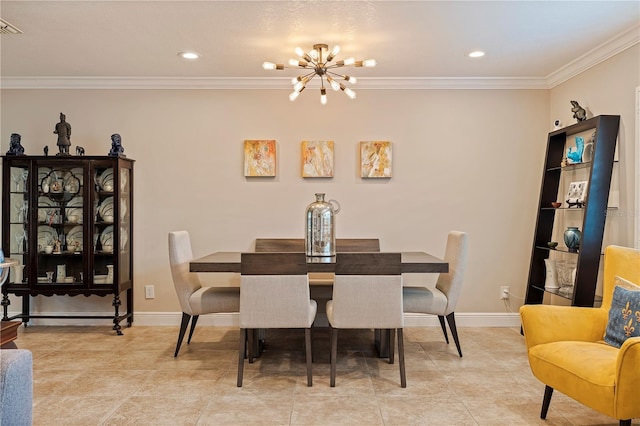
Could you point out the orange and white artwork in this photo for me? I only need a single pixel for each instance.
(375, 159)
(317, 159)
(259, 157)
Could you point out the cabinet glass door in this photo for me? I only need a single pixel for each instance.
(18, 221)
(104, 215)
(60, 216)
(124, 256)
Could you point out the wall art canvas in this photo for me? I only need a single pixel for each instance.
(260, 158)
(375, 159)
(317, 159)
(577, 193)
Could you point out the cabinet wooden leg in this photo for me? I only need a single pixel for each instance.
(116, 319)
(5, 306)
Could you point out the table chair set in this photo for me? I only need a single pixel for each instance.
(367, 293)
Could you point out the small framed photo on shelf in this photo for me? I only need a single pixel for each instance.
(577, 194)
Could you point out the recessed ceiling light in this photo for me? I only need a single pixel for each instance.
(189, 55)
(476, 54)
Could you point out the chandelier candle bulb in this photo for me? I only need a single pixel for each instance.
(334, 52)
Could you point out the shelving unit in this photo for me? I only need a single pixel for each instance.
(68, 222)
(598, 172)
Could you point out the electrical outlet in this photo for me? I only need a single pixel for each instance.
(504, 292)
(149, 292)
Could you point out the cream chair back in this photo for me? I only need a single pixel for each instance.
(450, 283)
(274, 291)
(185, 282)
(367, 291)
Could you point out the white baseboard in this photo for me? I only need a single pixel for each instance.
(479, 319)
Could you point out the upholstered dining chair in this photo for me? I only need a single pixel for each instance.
(195, 300)
(442, 299)
(367, 293)
(274, 293)
(590, 354)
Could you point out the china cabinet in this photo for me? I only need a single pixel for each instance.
(68, 222)
(578, 175)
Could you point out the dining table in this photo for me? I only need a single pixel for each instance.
(229, 261)
(411, 262)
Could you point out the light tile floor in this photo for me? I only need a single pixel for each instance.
(89, 376)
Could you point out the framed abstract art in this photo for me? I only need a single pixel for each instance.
(260, 158)
(317, 159)
(375, 159)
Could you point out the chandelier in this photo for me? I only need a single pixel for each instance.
(321, 66)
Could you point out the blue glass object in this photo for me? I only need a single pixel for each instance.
(576, 155)
(572, 237)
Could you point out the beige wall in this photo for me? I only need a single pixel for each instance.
(610, 88)
(463, 159)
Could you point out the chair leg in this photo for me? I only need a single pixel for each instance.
(183, 328)
(241, 352)
(444, 328)
(403, 377)
(334, 355)
(309, 354)
(451, 319)
(625, 422)
(194, 320)
(548, 392)
(251, 338)
(392, 344)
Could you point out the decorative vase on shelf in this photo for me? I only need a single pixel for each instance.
(18, 273)
(572, 237)
(551, 278)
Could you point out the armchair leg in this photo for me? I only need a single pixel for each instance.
(183, 328)
(309, 354)
(334, 355)
(451, 319)
(392, 344)
(241, 352)
(194, 320)
(403, 376)
(444, 328)
(548, 392)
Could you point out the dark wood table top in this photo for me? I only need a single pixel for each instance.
(229, 261)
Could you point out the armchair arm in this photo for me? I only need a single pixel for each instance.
(549, 323)
(627, 399)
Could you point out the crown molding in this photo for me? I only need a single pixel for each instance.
(257, 83)
(597, 55)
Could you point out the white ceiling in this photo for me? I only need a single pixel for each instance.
(417, 40)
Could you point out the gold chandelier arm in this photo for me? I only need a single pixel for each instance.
(348, 78)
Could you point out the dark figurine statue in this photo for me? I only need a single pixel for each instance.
(46, 150)
(63, 130)
(79, 150)
(116, 146)
(579, 113)
(15, 148)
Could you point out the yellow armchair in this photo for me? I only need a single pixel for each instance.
(566, 349)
